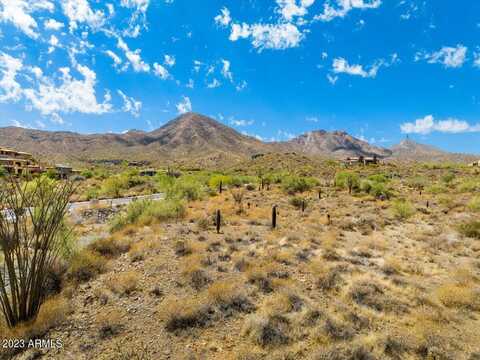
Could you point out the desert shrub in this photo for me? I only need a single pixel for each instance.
(186, 188)
(470, 229)
(163, 181)
(297, 184)
(110, 246)
(402, 209)
(215, 180)
(437, 189)
(109, 324)
(448, 177)
(470, 185)
(92, 193)
(3, 172)
(347, 180)
(268, 331)
(87, 174)
(474, 204)
(145, 212)
(114, 186)
(85, 265)
(181, 314)
(33, 238)
(458, 296)
(417, 182)
(124, 283)
(378, 178)
(297, 201)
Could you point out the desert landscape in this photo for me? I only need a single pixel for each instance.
(286, 254)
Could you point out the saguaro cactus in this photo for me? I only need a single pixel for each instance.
(319, 194)
(218, 221)
(329, 219)
(304, 205)
(220, 187)
(274, 216)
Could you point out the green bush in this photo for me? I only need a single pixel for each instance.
(437, 189)
(470, 229)
(186, 188)
(146, 212)
(3, 172)
(215, 180)
(448, 178)
(347, 180)
(378, 178)
(474, 204)
(402, 209)
(114, 186)
(296, 184)
(87, 174)
(417, 182)
(470, 185)
(297, 201)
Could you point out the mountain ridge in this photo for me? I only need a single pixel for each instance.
(197, 138)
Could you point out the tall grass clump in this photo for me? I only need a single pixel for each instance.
(402, 209)
(186, 188)
(33, 239)
(474, 204)
(146, 212)
(470, 229)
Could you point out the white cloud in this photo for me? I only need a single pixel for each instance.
(450, 57)
(53, 43)
(227, 74)
(134, 57)
(268, 36)
(184, 106)
(241, 86)
(169, 60)
(340, 65)
(130, 105)
(476, 60)
(18, 13)
(343, 7)
(428, 124)
(140, 5)
(292, 8)
(116, 59)
(72, 95)
(214, 84)
(223, 19)
(79, 12)
(10, 89)
(332, 79)
(160, 71)
(242, 123)
(52, 24)
(190, 84)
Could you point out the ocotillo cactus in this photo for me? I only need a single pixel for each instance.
(218, 221)
(274, 217)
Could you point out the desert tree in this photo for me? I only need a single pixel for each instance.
(32, 240)
(238, 199)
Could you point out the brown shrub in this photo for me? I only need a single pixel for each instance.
(85, 266)
(124, 283)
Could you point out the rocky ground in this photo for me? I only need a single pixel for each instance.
(346, 279)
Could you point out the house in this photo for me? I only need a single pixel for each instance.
(475, 164)
(148, 172)
(63, 171)
(363, 160)
(17, 162)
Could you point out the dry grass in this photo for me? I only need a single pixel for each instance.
(124, 283)
(85, 265)
(182, 314)
(110, 324)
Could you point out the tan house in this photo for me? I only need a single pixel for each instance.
(475, 164)
(17, 162)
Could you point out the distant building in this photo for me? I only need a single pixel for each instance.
(148, 172)
(17, 162)
(362, 160)
(63, 171)
(475, 164)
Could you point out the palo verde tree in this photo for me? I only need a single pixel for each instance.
(32, 239)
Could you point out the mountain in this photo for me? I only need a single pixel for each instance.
(409, 150)
(336, 144)
(196, 140)
(191, 137)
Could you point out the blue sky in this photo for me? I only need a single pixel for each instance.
(378, 69)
